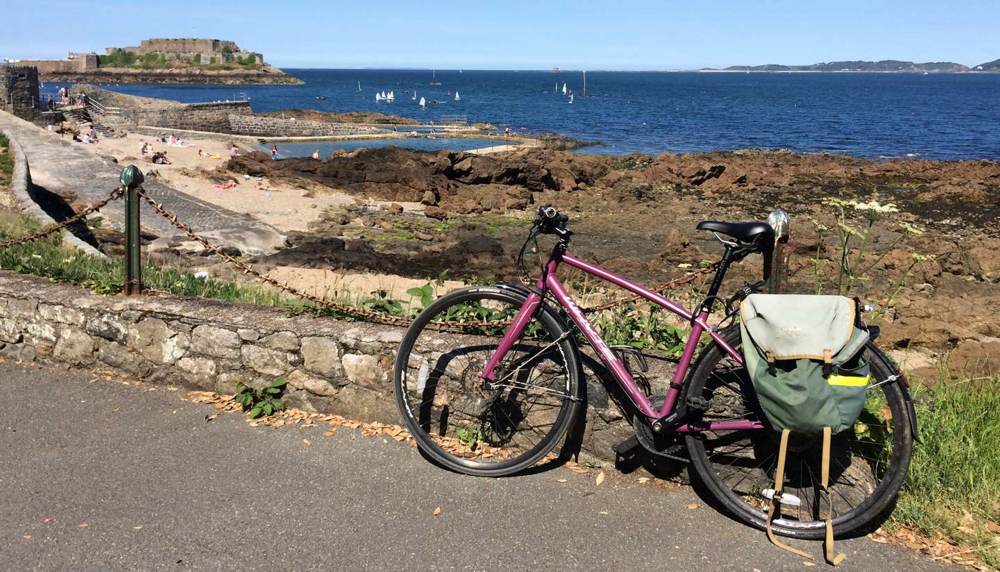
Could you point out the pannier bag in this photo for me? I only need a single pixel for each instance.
(805, 357)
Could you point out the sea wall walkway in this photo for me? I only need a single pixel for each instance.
(82, 178)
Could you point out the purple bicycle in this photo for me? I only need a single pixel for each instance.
(500, 396)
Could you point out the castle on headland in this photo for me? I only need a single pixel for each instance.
(163, 59)
(197, 50)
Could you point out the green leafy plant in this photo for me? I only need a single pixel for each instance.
(264, 401)
(641, 328)
(381, 302)
(469, 436)
(423, 293)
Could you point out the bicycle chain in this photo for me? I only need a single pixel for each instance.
(115, 194)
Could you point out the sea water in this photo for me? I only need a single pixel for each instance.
(874, 115)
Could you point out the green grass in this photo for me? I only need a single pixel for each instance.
(953, 487)
(6, 161)
(48, 258)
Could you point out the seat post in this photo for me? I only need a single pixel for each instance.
(720, 273)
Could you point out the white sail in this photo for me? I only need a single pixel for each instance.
(564, 88)
(423, 102)
(359, 85)
(571, 98)
(457, 98)
(414, 95)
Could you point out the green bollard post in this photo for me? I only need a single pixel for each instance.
(131, 179)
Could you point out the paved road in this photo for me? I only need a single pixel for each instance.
(72, 171)
(98, 475)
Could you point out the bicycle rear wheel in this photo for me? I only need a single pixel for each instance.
(471, 426)
(868, 463)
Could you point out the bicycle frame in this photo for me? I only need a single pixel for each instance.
(699, 325)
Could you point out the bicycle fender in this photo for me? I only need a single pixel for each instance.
(904, 385)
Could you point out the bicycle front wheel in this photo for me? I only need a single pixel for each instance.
(486, 428)
(868, 463)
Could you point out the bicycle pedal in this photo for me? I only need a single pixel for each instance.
(627, 446)
(628, 454)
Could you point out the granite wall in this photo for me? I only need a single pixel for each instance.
(331, 366)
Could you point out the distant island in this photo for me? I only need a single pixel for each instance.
(898, 66)
(165, 60)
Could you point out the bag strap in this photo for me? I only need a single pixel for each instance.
(779, 479)
(831, 555)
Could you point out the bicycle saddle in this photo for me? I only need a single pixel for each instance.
(742, 231)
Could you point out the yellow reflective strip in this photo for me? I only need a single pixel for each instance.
(849, 380)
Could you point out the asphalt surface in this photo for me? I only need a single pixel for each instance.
(98, 475)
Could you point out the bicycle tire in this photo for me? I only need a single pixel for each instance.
(417, 421)
(875, 505)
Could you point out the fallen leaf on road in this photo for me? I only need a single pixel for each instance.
(560, 480)
(600, 478)
(603, 512)
(210, 417)
(808, 563)
(437, 511)
(137, 527)
(82, 525)
(330, 433)
(26, 537)
(693, 505)
(307, 441)
(49, 520)
(643, 480)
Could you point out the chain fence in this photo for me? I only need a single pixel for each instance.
(54, 228)
(349, 310)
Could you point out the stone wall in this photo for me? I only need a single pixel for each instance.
(267, 126)
(74, 63)
(194, 116)
(331, 366)
(19, 90)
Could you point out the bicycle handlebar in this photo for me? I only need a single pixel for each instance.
(551, 221)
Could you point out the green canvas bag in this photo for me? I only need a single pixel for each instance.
(805, 357)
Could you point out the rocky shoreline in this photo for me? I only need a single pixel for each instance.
(934, 264)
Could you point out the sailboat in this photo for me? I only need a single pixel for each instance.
(571, 98)
(414, 95)
(557, 88)
(391, 96)
(423, 103)
(565, 91)
(457, 98)
(434, 80)
(378, 97)
(359, 85)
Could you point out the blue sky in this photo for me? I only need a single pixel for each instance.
(516, 34)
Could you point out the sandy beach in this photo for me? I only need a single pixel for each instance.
(289, 208)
